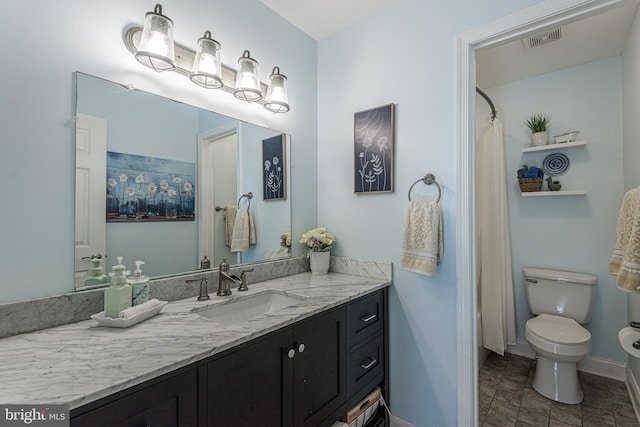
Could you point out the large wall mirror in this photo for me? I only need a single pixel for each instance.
(160, 181)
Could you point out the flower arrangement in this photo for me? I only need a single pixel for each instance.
(318, 240)
(285, 239)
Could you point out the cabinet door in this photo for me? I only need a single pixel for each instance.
(320, 368)
(172, 402)
(252, 386)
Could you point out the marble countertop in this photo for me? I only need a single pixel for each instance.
(82, 362)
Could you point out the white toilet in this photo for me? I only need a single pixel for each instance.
(561, 301)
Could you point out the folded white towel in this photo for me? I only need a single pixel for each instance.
(138, 310)
(243, 233)
(625, 260)
(422, 244)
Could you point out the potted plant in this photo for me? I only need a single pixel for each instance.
(538, 124)
(319, 241)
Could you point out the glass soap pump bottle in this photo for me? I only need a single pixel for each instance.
(117, 297)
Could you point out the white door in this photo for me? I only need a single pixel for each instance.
(218, 173)
(91, 172)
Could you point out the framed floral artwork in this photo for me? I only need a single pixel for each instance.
(373, 150)
(142, 188)
(274, 180)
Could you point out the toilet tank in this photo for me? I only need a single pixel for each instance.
(563, 293)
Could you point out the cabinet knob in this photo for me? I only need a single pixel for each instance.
(301, 348)
(291, 353)
(366, 318)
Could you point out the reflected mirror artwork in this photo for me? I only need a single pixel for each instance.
(161, 182)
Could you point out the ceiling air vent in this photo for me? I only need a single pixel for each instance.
(543, 38)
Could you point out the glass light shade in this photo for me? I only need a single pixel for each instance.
(277, 99)
(207, 70)
(247, 80)
(156, 43)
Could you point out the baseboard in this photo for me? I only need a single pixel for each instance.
(634, 392)
(397, 422)
(591, 364)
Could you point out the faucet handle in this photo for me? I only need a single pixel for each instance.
(204, 289)
(243, 280)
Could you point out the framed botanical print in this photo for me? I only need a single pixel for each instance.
(373, 138)
(274, 180)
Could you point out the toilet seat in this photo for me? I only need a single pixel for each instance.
(558, 335)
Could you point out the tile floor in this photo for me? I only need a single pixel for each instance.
(507, 398)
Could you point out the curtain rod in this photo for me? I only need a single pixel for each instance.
(486, 97)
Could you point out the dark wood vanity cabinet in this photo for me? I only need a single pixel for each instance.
(292, 378)
(307, 374)
(171, 402)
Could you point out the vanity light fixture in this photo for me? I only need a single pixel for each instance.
(153, 46)
(156, 49)
(277, 99)
(247, 80)
(207, 70)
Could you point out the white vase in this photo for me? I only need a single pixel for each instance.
(539, 138)
(319, 262)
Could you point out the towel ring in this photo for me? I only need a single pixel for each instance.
(428, 179)
(249, 196)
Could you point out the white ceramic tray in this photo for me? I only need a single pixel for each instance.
(125, 323)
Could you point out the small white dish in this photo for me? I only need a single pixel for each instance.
(125, 323)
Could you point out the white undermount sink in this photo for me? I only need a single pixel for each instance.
(246, 308)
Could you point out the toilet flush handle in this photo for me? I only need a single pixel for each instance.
(634, 324)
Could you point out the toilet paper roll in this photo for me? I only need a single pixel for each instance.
(627, 336)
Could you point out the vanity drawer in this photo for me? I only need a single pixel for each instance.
(366, 363)
(365, 317)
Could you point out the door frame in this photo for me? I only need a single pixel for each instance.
(516, 26)
(205, 228)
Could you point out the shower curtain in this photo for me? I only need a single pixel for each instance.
(493, 243)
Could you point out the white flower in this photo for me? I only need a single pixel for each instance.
(164, 185)
(188, 187)
(367, 141)
(139, 179)
(318, 240)
(267, 165)
(382, 143)
(177, 180)
(152, 187)
(171, 193)
(123, 178)
(276, 161)
(112, 182)
(131, 191)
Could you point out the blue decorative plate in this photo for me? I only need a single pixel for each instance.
(555, 164)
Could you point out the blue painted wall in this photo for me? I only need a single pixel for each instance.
(570, 233)
(404, 54)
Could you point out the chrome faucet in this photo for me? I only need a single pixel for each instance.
(225, 279)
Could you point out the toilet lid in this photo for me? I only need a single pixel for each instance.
(560, 330)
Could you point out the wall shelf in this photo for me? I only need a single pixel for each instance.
(549, 147)
(555, 193)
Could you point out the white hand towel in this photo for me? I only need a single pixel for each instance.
(625, 260)
(422, 244)
(243, 233)
(137, 310)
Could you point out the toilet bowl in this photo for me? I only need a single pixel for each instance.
(560, 344)
(560, 301)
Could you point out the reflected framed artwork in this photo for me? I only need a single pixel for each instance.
(373, 138)
(274, 180)
(142, 188)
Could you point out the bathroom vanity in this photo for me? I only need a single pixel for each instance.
(304, 365)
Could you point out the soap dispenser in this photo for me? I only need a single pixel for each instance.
(117, 297)
(96, 273)
(139, 285)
